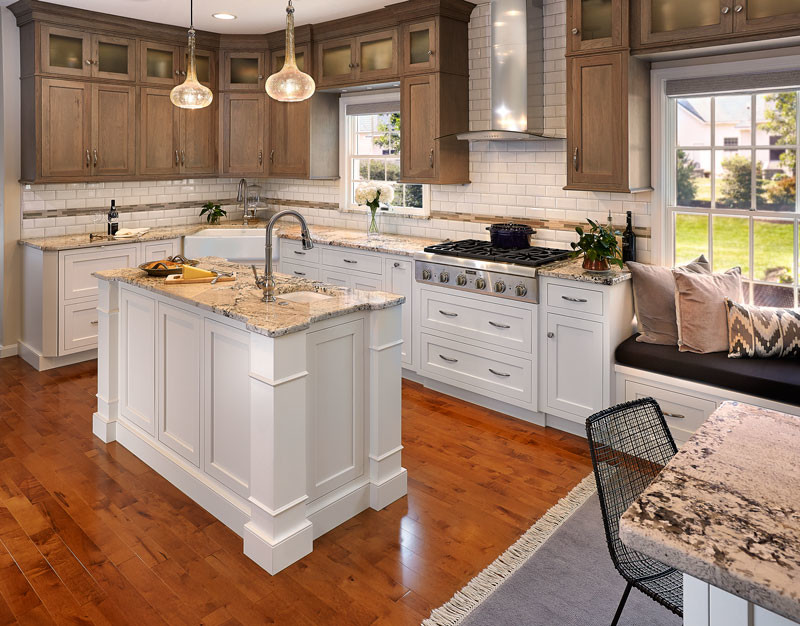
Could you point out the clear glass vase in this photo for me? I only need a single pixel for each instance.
(373, 229)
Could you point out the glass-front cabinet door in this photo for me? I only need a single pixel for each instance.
(159, 64)
(65, 51)
(377, 55)
(301, 53)
(668, 21)
(336, 62)
(765, 15)
(113, 57)
(205, 64)
(244, 71)
(597, 24)
(419, 47)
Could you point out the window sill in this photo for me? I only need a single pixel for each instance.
(412, 216)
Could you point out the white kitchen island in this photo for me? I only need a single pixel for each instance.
(280, 419)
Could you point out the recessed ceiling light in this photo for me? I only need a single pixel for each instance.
(224, 16)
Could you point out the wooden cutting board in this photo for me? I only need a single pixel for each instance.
(178, 279)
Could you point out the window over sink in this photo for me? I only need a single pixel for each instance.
(732, 190)
(372, 127)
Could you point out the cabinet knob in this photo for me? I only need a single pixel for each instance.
(396, 264)
(260, 77)
(739, 8)
(575, 31)
(550, 335)
(177, 72)
(430, 53)
(726, 10)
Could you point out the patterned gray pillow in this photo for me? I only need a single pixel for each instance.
(762, 332)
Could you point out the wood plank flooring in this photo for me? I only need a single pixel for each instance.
(90, 535)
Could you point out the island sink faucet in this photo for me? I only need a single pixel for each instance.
(267, 282)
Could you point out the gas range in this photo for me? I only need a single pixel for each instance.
(477, 266)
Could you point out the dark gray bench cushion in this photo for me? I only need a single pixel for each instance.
(773, 379)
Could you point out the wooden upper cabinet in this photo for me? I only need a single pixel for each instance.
(113, 58)
(594, 25)
(159, 130)
(376, 56)
(365, 58)
(670, 21)
(159, 64)
(288, 139)
(608, 118)
(198, 140)
(65, 51)
(244, 71)
(765, 15)
(420, 47)
(336, 62)
(113, 130)
(429, 149)
(243, 133)
(205, 63)
(302, 55)
(66, 130)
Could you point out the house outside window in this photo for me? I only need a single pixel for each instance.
(371, 152)
(732, 194)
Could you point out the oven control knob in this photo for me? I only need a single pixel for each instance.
(521, 290)
(480, 283)
(461, 280)
(426, 274)
(444, 277)
(499, 286)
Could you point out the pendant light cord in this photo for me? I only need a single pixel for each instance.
(191, 14)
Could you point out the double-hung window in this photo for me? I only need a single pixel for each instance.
(732, 191)
(371, 152)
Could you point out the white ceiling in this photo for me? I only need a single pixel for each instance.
(253, 16)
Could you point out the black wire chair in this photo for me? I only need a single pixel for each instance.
(630, 444)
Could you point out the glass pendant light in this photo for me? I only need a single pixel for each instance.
(191, 94)
(290, 84)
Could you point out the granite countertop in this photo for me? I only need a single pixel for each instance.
(571, 270)
(392, 244)
(726, 508)
(70, 242)
(241, 299)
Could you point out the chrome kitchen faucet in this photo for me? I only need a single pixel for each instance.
(267, 282)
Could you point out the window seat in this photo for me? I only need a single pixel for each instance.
(772, 379)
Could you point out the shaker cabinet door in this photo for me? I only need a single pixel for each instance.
(765, 15)
(418, 139)
(596, 24)
(199, 140)
(159, 132)
(66, 131)
(113, 130)
(65, 51)
(672, 21)
(289, 139)
(243, 122)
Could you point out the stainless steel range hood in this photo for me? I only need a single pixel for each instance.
(517, 74)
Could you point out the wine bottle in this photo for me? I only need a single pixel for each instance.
(629, 240)
(113, 219)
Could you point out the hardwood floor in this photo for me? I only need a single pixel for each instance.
(90, 535)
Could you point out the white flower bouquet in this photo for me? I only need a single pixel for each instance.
(372, 195)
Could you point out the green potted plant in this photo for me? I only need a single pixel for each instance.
(599, 247)
(213, 212)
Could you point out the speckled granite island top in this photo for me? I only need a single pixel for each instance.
(572, 270)
(241, 299)
(391, 244)
(726, 508)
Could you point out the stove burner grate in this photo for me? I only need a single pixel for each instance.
(478, 249)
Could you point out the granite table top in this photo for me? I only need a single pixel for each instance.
(392, 244)
(241, 299)
(726, 508)
(571, 270)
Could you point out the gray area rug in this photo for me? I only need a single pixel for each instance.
(568, 581)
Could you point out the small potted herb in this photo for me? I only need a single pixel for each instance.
(599, 247)
(213, 212)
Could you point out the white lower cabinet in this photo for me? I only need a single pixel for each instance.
(575, 365)
(78, 326)
(180, 376)
(301, 271)
(137, 346)
(158, 250)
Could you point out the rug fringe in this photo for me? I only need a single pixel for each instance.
(485, 583)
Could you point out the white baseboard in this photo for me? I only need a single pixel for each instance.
(10, 350)
(35, 359)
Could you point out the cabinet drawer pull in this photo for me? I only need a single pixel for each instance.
(300, 252)
(448, 314)
(496, 373)
(497, 325)
(677, 416)
(448, 359)
(350, 261)
(550, 335)
(299, 273)
(96, 322)
(575, 159)
(571, 299)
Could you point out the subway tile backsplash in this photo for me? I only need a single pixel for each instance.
(522, 179)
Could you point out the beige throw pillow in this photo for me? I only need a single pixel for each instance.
(701, 311)
(654, 299)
